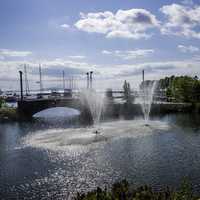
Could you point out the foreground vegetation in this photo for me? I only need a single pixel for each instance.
(124, 191)
(6, 113)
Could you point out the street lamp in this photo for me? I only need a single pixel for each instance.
(87, 79)
(91, 72)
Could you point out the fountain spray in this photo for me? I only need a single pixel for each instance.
(146, 97)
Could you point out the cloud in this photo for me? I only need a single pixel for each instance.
(51, 72)
(65, 26)
(182, 20)
(106, 52)
(11, 53)
(160, 69)
(103, 73)
(133, 23)
(188, 49)
(77, 57)
(131, 54)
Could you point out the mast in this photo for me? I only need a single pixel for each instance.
(40, 72)
(63, 80)
(26, 80)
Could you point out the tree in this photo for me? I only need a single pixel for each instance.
(127, 92)
(1, 102)
(181, 88)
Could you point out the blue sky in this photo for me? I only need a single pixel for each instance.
(115, 38)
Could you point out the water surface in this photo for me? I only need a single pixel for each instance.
(52, 160)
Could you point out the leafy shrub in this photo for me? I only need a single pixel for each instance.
(123, 191)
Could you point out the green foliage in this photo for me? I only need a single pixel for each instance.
(123, 191)
(185, 192)
(1, 102)
(181, 89)
(8, 114)
(127, 92)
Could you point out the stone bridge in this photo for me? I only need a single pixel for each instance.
(27, 108)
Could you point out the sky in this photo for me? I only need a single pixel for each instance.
(116, 39)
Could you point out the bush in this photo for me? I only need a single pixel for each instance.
(8, 114)
(123, 191)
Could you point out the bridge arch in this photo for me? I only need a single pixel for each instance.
(27, 108)
(57, 112)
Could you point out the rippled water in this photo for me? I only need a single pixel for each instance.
(45, 160)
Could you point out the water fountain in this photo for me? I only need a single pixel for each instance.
(146, 98)
(93, 101)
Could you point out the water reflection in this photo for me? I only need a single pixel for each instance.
(152, 155)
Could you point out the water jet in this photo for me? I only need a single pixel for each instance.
(147, 91)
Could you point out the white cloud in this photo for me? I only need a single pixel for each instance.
(131, 54)
(77, 57)
(156, 70)
(106, 52)
(65, 26)
(133, 23)
(111, 73)
(182, 20)
(51, 70)
(11, 53)
(188, 49)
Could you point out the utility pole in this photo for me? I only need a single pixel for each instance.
(21, 84)
(40, 72)
(63, 80)
(26, 80)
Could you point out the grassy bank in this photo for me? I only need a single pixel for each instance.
(8, 114)
(124, 191)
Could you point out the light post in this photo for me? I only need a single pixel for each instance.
(21, 84)
(91, 72)
(87, 80)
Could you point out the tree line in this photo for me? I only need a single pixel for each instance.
(181, 88)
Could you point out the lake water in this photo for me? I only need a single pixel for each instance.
(55, 159)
